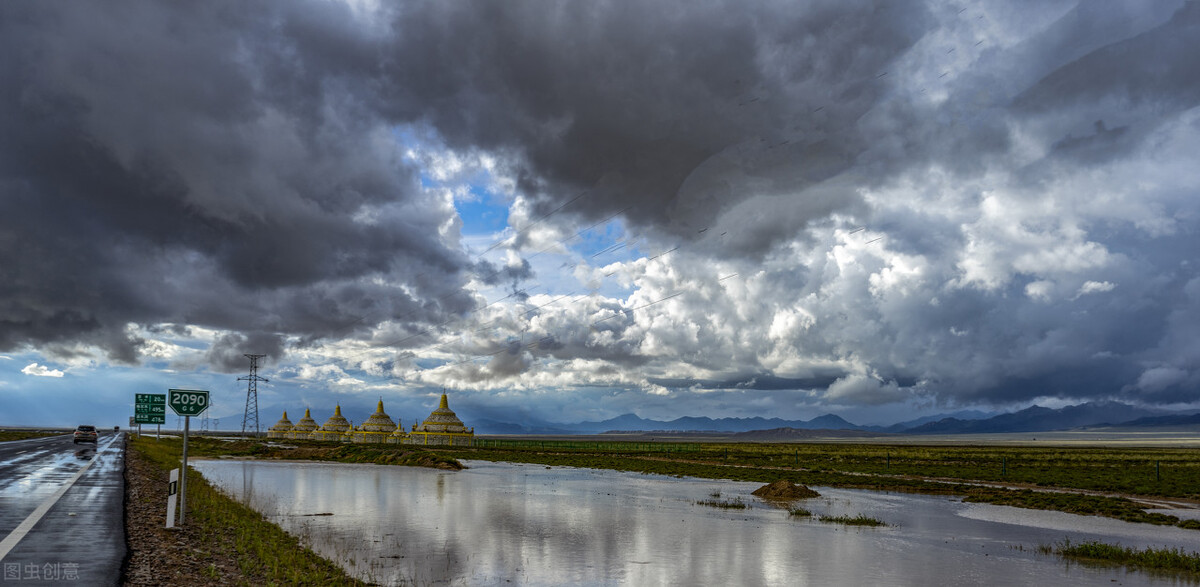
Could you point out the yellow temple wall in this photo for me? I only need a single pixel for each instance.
(439, 439)
(370, 437)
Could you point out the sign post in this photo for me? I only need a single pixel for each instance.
(186, 403)
(148, 408)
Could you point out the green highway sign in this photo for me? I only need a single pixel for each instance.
(159, 399)
(149, 419)
(150, 408)
(187, 402)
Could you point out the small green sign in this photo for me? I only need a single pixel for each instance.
(150, 398)
(149, 419)
(149, 409)
(187, 402)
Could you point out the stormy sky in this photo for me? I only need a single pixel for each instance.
(574, 210)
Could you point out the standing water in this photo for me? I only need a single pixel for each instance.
(497, 523)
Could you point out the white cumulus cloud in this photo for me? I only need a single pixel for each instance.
(37, 370)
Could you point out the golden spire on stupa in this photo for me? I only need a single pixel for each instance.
(379, 421)
(281, 428)
(337, 422)
(443, 419)
(304, 427)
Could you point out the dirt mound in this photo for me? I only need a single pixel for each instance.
(784, 489)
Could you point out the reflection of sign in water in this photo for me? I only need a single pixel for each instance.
(187, 402)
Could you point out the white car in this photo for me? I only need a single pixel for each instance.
(86, 433)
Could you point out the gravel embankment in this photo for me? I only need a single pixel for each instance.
(158, 556)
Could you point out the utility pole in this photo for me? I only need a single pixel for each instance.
(250, 419)
(204, 419)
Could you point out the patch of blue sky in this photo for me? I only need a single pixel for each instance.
(483, 214)
(157, 364)
(430, 362)
(481, 210)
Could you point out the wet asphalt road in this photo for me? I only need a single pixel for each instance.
(80, 539)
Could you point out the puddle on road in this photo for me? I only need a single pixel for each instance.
(532, 525)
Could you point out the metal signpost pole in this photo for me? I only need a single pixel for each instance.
(183, 480)
(186, 403)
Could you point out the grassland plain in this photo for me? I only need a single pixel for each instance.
(1119, 483)
(22, 434)
(311, 450)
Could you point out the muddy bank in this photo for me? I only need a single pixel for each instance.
(158, 556)
(784, 490)
(317, 451)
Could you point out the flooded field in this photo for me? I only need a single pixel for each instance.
(497, 523)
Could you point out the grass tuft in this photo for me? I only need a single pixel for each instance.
(1152, 559)
(859, 520)
(729, 504)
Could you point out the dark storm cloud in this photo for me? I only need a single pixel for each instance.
(235, 166)
(210, 164)
(228, 353)
(239, 143)
(674, 110)
(1119, 71)
(759, 382)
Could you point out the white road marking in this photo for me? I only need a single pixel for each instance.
(20, 531)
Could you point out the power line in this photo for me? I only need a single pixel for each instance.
(676, 294)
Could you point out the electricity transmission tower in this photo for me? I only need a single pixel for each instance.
(250, 419)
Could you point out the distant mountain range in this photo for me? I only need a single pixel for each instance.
(1039, 419)
(1032, 419)
(632, 423)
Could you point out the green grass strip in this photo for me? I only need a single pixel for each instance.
(859, 520)
(262, 548)
(1153, 559)
(734, 504)
(7, 435)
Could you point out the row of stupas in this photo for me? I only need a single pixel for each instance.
(442, 427)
